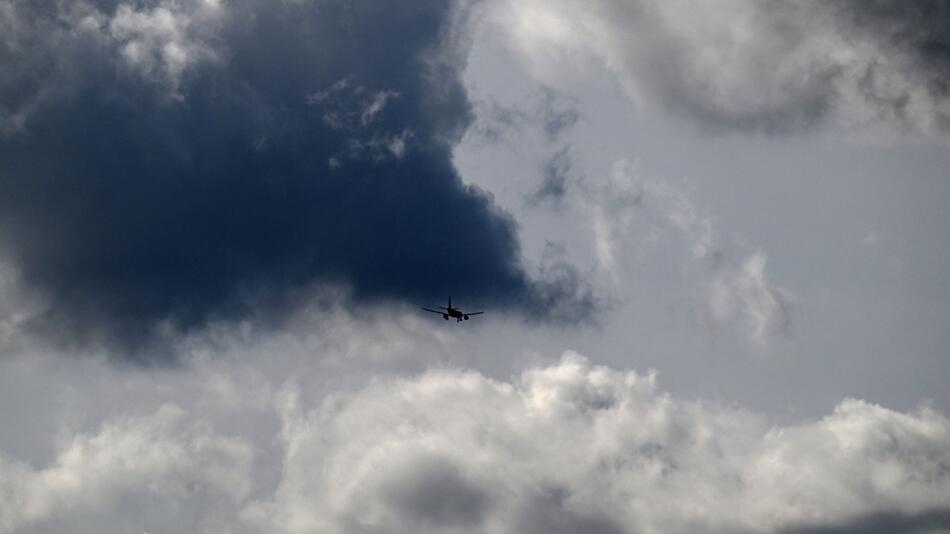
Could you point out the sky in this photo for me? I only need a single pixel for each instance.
(709, 241)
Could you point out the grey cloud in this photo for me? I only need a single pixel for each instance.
(555, 175)
(433, 490)
(760, 67)
(557, 113)
(917, 27)
(495, 121)
(565, 294)
(550, 112)
(932, 520)
(548, 511)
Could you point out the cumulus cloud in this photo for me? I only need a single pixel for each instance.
(157, 469)
(169, 163)
(768, 67)
(566, 446)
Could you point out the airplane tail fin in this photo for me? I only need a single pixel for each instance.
(450, 301)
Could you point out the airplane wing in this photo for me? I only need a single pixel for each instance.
(433, 311)
(473, 313)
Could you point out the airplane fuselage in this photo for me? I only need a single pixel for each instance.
(454, 313)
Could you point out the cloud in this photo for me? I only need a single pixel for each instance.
(165, 40)
(263, 444)
(170, 163)
(557, 277)
(552, 113)
(736, 291)
(934, 520)
(557, 113)
(747, 293)
(755, 67)
(871, 240)
(156, 469)
(539, 120)
(555, 174)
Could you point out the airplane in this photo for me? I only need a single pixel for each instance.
(457, 313)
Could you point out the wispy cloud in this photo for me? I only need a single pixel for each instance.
(631, 211)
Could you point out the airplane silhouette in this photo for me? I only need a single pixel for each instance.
(457, 313)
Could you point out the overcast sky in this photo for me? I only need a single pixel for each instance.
(710, 241)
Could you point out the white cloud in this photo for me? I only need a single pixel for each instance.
(160, 468)
(275, 441)
(376, 105)
(597, 446)
(747, 293)
(871, 240)
(603, 243)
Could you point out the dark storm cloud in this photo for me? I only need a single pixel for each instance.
(185, 161)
